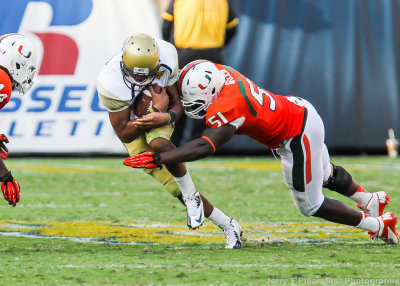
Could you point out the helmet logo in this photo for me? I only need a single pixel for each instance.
(209, 80)
(159, 74)
(20, 51)
(141, 70)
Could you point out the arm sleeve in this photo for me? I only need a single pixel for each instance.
(110, 101)
(231, 26)
(229, 35)
(168, 22)
(168, 15)
(167, 27)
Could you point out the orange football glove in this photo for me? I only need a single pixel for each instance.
(3, 148)
(147, 160)
(10, 188)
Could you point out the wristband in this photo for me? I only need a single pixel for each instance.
(172, 116)
(154, 109)
(156, 158)
(7, 177)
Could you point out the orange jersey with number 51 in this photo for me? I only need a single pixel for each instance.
(263, 116)
(5, 88)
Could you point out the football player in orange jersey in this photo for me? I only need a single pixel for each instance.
(17, 70)
(233, 104)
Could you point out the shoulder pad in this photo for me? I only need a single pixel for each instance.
(110, 78)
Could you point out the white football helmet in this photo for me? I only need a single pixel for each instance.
(199, 84)
(18, 56)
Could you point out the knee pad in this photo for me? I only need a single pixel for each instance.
(166, 179)
(340, 181)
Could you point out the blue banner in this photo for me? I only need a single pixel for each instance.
(341, 55)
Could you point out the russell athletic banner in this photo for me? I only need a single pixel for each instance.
(74, 38)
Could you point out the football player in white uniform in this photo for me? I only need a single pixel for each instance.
(17, 70)
(142, 62)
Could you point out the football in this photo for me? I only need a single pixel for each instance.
(141, 105)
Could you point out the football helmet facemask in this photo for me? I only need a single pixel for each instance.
(140, 60)
(199, 83)
(18, 56)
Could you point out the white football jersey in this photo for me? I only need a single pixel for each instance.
(115, 95)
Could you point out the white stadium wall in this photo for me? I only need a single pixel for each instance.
(61, 113)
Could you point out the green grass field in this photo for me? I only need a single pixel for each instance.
(97, 222)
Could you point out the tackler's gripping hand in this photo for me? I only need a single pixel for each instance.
(146, 160)
(10, 188)
(3, 148)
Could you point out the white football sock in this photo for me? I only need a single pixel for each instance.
(368, 223)
(186, 185)
(361, 197)
(219, 218)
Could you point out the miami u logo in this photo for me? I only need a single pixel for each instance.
(20, 51)
(209, 80)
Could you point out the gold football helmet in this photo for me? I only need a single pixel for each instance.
(140, 59)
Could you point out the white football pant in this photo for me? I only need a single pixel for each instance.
(305, 161)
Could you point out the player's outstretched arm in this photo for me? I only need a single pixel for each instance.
(3, 147)
(3, 154)
(9, 186)
(194, 150)
(3, 168)
(212, 139)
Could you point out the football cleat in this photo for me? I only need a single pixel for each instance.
(195, 210)
(387, 229)
(233, 234)
(376, 204)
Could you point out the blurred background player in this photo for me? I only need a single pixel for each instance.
(199, 29)
(17, 71)
(142, 62)
(233, 104)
